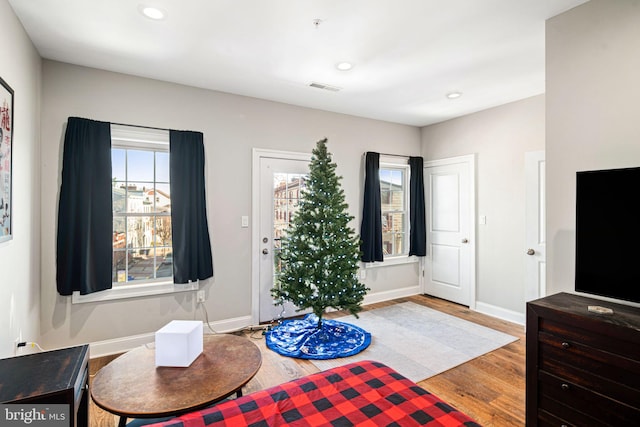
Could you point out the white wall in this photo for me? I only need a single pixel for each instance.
(232, 126)
(500, 136)
(592, 113)
(20, 67)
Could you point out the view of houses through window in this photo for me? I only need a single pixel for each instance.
(287, 191)
(393, 195)
(141, 214)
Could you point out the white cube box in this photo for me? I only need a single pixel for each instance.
(178, 343)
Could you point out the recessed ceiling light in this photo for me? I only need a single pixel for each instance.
(454, 95)
(344, 66)
(152, 12)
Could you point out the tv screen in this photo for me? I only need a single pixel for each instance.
(608, 233)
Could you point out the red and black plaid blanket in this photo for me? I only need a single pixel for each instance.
(358, 394)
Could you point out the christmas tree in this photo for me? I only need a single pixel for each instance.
(320, 252)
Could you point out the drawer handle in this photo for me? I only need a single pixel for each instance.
(565, 386)
(566, 345)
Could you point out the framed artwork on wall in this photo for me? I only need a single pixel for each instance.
(6, 141)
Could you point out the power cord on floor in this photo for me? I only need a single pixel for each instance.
(253, 329)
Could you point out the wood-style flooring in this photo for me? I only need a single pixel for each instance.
(490, 388)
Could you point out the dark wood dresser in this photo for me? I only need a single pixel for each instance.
(50, 377)
(583, 368)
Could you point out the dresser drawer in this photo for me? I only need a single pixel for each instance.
(618, 379)
(579, 405)
(555, 414)
(571, 333)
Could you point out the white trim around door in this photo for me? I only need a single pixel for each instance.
(467, 235)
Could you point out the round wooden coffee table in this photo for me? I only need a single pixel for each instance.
(133, 387)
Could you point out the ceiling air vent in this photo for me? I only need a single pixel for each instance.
(324, 86)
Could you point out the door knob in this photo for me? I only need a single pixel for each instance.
(530, 252)
(265, 251)
(465, 240)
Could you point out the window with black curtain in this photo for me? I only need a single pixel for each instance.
(371, 230)
(84, 253)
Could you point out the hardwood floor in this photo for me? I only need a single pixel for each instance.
(490, 388)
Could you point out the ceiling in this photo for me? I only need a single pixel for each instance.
(407, 55)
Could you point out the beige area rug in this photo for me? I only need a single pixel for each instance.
(419, 342)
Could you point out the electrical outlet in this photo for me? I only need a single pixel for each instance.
(200, 296)
(363, 274)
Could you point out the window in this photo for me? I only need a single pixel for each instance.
(142, 251)
(394, 195)
(138, 229)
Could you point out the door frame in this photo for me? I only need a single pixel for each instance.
(257, 155)
(470, 161)
(535, 283)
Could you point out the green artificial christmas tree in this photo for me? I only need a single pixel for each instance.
(320, 252)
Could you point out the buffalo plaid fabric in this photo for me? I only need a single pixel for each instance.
(358, 394)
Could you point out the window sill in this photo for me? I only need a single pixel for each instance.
(398, 260)
(134, 291)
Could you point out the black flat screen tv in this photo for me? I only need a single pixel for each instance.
(608, 233)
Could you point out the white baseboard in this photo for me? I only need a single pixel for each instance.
(481, 307)
(120, 345)
(500, 313)
(389, 295)
(229, 325)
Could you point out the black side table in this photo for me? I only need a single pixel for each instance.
(50, 377)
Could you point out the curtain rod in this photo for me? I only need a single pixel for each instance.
(388, 154)
(139, 126)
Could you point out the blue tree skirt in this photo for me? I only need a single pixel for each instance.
(302, 338)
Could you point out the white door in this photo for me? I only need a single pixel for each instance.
(535, 254)
(450, 207)
(281, 182)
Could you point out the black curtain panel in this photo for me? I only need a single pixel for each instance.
(417, 222)
(84, 241)
(191, 245)
(371, 227)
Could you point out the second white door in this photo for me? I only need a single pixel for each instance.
(450, 202)
(535, 258)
